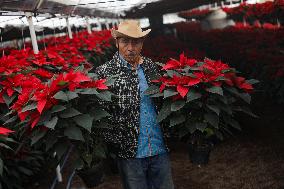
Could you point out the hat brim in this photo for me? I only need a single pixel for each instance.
(116, 34)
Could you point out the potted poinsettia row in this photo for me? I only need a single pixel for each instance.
(200, 99)
(255, 51)
(48, 102)
(95, 47)
(261, 11)
(195, 14)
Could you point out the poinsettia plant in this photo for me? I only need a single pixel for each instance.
(201, 96)
(52, 98)
(49, 101)
(267, 11)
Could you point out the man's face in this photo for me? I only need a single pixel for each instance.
(130, 48)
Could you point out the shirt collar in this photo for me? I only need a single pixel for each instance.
(125, 63)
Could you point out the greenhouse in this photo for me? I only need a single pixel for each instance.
(141, 94)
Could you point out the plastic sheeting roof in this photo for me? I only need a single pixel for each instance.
(102, 8)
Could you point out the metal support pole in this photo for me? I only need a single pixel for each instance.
(107, 25)
(244, 22)
(1, 41)
(32, 31)
(69, 28)
(278, 23)
(88, 25)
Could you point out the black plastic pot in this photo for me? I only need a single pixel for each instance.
(199, 154)
(92, 177)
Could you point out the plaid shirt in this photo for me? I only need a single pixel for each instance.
(125, 108)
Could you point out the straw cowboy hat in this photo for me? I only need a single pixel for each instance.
(129, 28)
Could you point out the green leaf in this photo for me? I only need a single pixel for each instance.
(6, 146)
(177, 120)
(245, 110)
(170, 73)
(44, 117)
(177, 105)
(227, 70)
(71, 95)
(169, 92)
(193, 95)
(30, 107)
(25, 170)
(10, 112)
(191, 127)
(252, 81)
(110, 81)
(61, 96)
(160, 64)
(216, 90)
(194, 68)
(57, 108)
(103, 125)
(234, 124)
(157, 95)
(62, 83)
(246, 97)
(73, 133)
(4, 138)
(208, 71)
(105, 95)
(201, 126)
(37, 136)
(213, 119)
(51, 123)
(50, 141)
(99, 114)
(12, 119)
(89, 91)
(85, 121)
(70, 112)
(165, 111)
(214, 108)
(199, 64)
(8, 100)
(226, 108)
(153, 89)
(220, 78)
(18, 89)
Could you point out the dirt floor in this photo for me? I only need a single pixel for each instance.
(253, 159)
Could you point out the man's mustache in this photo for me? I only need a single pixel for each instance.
(131, 54)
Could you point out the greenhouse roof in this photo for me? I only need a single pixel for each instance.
(164, 7)
(101, 8)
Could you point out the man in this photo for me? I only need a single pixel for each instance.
(136, 135)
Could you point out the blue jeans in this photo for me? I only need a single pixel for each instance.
(146, 173)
